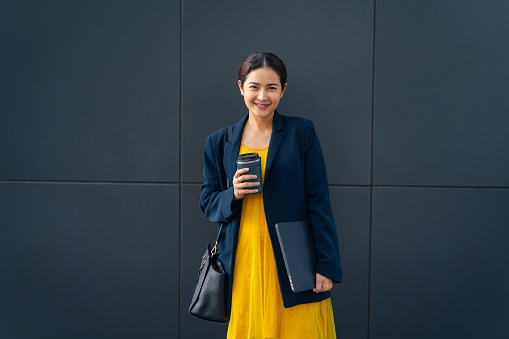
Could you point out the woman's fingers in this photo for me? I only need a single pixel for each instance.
(240, 172)
(247, 187)
(244, 192)
(239, 177)
(240, 186)
(323, 284)
(318, 283)
(327, 285)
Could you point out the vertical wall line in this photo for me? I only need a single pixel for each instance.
(181, 115)
(372, 166)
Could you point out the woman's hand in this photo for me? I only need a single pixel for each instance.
(323, 284)
(241, 188)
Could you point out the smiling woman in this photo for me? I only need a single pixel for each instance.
(262, 82)
(262, 91)
(294, 182)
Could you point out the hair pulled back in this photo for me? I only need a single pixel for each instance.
(262, 60)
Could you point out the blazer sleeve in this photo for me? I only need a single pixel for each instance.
(215, 200)
(319, 209)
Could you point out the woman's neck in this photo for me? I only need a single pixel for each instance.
(257, 131)
(261, 125)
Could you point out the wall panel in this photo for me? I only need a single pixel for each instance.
(439, 263)
(351, 208)
(197, 233)
(88, 261)
(90, 90)
(441, 87)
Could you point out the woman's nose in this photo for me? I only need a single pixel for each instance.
(262, 95)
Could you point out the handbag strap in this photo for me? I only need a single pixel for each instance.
(215, 250)
(230, 129)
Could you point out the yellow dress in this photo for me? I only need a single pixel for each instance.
(257, 306)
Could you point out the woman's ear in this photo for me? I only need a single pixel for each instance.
(241, 89)
(284, 88)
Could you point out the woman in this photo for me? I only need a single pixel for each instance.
(295, 188)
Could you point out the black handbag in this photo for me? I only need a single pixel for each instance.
(211, 293)
(210, 298)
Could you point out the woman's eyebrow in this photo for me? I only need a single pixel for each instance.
(256, 83)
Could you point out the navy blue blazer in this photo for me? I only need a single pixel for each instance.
(295, 188)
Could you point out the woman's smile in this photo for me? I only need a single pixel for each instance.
(262, 106)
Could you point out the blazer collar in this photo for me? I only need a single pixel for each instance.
(232, 145)
(276, 138)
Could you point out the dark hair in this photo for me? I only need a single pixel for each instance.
(262, 60)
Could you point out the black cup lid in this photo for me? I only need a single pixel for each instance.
(247, 157)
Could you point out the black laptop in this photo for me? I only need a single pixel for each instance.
(299, 253)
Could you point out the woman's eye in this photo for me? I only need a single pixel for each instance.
(253, 86)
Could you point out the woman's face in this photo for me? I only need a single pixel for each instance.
(262, 91)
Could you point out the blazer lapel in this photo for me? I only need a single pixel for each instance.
(276, 139)
(232, 148)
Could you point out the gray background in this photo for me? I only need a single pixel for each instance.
(105, 108)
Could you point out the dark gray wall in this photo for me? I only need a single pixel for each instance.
(106, 106)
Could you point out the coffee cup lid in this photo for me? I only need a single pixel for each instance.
(248, 157)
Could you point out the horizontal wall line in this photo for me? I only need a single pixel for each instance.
(84, 182)
(396, 186)
(447, 187)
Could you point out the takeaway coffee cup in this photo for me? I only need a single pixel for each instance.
(254, 163)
